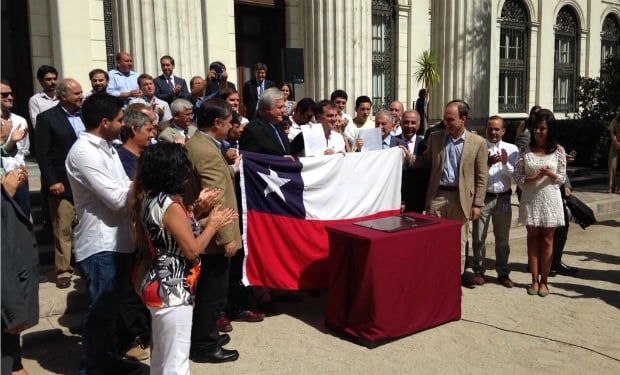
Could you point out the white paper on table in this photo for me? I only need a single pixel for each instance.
(372, 139)
(314, 139)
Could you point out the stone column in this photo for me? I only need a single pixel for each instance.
(460, 37)
(338, 48)
(185, 30)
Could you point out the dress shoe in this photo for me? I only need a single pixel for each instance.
(136, 352)
(63, 282)
(467, 280)
(223, 324)
(505, 281)
(124, 367)
(250, 316)
(564, 269)
(223, 339)
(219, 355)
(478, 278)
(268, 307)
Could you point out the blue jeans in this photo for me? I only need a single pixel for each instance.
(107, 278)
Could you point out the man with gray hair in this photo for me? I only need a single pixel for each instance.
(265, 133)
(181, 127)
(57, 129)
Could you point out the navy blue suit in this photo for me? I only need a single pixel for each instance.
(250, 95)
(164, 92)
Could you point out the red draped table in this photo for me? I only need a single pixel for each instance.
(387, 285)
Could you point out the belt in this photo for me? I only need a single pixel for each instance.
(497, 195)
(448, 188)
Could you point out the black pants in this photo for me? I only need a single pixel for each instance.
(210, 299)
(11, 352)
(240, 297)
(559, 240)
(134, 321)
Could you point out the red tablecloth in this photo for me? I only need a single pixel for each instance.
(387, 285)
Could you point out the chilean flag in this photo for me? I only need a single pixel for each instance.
(287, 205)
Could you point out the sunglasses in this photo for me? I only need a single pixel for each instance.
(6, 94)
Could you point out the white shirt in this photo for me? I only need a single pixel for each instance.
(23, 146)
(336, 142)
(100, 193)
(500, 175)
(155, 102)
(40, 102)
(293, 130)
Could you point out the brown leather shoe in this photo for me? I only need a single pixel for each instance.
(223, 324)
(250, 316)
(505, 281)
(478, 278)
(63, 282)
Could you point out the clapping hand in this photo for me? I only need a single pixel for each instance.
(205, 201)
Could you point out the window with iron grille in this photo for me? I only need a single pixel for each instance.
(513, 54)
(610, 38)
(382, 53)
(109, 35)
(565, 61)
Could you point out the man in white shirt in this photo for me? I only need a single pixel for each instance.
(9, 163)
(325, 112)
(103, 243)
(304, 112)
(363, 109)
(46, 99)
(501, 161)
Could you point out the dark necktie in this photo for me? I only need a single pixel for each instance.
(170, 83)
(275, 130)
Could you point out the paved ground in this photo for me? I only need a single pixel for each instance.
(573, 331)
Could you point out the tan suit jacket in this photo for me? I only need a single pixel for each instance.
(473, 169)
(168, 134)
(210, 170)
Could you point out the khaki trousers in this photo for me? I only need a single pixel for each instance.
(446, 204)
(62, 214)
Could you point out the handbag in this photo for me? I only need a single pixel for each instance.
(582, 214)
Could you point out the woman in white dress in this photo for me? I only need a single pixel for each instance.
(540, 172)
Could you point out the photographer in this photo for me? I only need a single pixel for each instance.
(217, 78)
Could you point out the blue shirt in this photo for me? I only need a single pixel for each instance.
(452, 160)
(75, 120)
(122, 82)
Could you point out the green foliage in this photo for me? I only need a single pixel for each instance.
(427, 74)
(598, 97)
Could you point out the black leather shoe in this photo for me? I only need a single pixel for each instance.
(564, 269)
(223, 339)
(467, 280)
(219, 355)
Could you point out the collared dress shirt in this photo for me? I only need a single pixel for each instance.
(100, 192)
(40, 102)
(452, 160)
(75, 120)
(500, 175)
(122, 82)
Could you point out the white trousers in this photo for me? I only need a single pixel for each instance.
(172, 331)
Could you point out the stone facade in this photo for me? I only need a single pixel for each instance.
(336, 36)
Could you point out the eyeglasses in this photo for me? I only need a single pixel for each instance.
(6, 94)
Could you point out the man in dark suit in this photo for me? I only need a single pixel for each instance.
(265, 134)
(167, 86)
(415, 181)
(20, 284)
(57, 130)
(253, 89)
(210, 170)
(457, 159)
(385, 121)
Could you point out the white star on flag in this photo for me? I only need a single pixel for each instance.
(274, 183)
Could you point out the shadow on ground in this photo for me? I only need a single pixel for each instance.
(45, 352)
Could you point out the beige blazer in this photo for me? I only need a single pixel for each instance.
(210, 170)
(168, 134)
(473, 169)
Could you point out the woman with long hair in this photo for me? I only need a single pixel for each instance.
(540, 171)
(173, 239)
(289, 97)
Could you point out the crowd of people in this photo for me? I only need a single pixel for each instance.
(140, 176)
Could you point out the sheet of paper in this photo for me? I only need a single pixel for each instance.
(372, 139)
(314, 139)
